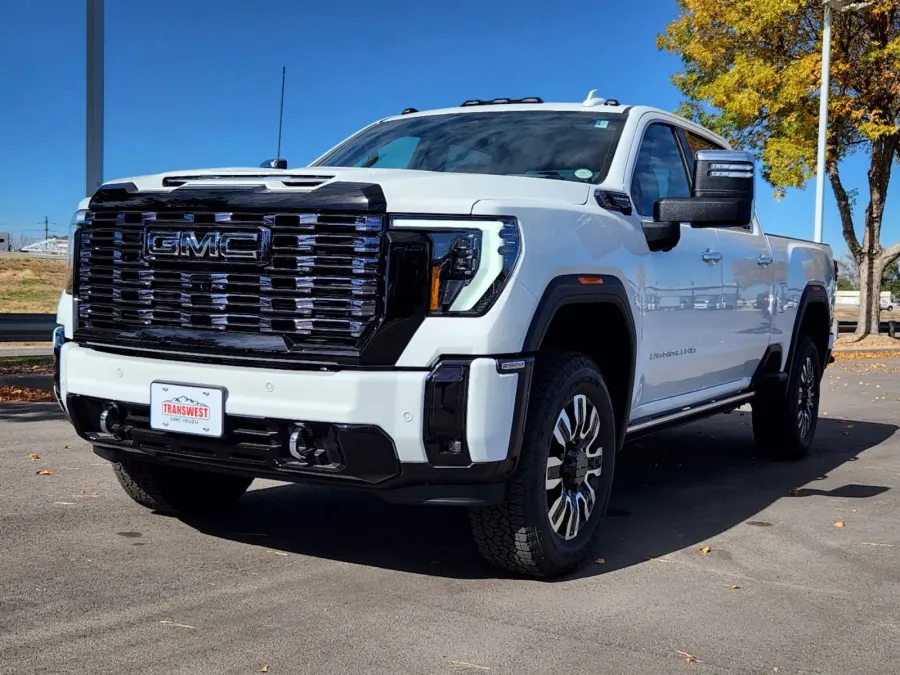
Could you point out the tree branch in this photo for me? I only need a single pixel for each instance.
(891, 253)
(844, 207)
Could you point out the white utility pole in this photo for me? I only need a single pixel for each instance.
(94, 148)
(830, 7)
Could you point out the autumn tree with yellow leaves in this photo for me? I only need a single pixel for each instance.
(752, 72)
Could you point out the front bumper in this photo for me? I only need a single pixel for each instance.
(413, 435)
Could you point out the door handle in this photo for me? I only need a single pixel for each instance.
(765, 260)
(711, 257)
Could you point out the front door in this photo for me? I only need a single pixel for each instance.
(681, 335)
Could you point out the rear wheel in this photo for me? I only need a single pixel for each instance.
(177, 491)
(784, 422)
(558, 495)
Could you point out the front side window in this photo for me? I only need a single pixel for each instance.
(659, 171)
(557, 145)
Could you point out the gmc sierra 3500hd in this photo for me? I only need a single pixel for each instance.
(472, 306)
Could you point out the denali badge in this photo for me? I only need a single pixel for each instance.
(246, 245)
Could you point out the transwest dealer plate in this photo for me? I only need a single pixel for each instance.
(187, 410)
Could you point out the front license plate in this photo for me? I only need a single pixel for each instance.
(187, 410)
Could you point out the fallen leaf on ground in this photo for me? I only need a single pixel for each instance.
(600, 561)
(734, 587)
(463, 664)
(67, 447)
(704, 549)
(43, 472)
(839, 523)
(175, 624)
(688, 658)
(264, 669)
(24, 395)
(34, 457)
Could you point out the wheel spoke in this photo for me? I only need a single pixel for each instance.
(580, 405)
(574, 518)
(563, 430)
(557, 511)
(553, 477)
(592, 432)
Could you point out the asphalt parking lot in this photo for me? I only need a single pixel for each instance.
(302, 580)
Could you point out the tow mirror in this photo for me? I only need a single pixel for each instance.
(722, 196)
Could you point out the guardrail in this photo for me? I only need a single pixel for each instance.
(27, 327)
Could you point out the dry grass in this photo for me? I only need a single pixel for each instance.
(30, 285)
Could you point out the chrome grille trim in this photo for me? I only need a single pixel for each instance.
(322, 285)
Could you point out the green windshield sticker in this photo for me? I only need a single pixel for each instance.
(584, 174)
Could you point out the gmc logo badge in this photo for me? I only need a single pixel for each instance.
(238, 245)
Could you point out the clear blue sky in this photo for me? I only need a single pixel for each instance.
(195, 83)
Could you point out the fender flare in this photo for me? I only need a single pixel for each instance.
(814, 293)
(569, 290)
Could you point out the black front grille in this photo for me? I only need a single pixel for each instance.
(315, 281)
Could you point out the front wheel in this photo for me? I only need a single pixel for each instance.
(175, 491)
(557, 497)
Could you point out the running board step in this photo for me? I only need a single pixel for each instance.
(687, 414)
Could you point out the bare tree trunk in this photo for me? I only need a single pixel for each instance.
(871, 269)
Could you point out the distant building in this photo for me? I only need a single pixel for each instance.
(852, 297)
(5, 242)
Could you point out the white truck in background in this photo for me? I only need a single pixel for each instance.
(474, 306)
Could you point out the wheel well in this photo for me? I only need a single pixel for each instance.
(601, 332)
(815, 324)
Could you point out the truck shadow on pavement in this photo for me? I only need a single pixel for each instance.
(673, 490)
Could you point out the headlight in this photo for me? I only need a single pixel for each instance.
(73, 245)
(471, 261)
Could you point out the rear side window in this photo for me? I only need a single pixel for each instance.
(660, 171)
(697, 143)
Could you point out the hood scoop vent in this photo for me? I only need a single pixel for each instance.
(310, 181)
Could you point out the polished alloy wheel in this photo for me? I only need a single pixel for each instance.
(573, 467)
(806, 397)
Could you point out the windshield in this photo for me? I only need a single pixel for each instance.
(573, 146)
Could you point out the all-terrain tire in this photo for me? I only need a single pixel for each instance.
(517, 535)
(175, 491)
(785, 420)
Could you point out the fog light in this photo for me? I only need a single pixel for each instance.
(444, 428)
(454, 447)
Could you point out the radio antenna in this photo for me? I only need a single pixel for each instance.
(280, 114)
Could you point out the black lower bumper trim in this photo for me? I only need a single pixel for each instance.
(475, 485)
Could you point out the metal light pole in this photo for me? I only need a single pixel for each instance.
(94, 149)
(830, 6)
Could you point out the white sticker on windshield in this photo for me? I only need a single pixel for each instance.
(601, 124)
(584, 174)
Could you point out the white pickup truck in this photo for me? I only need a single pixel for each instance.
(474, 306)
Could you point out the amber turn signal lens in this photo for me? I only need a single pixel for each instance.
(435, 288)
(590, 281)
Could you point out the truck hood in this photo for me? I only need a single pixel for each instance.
(405, 191)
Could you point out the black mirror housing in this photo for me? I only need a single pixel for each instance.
(723, 192)
(704, 211)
